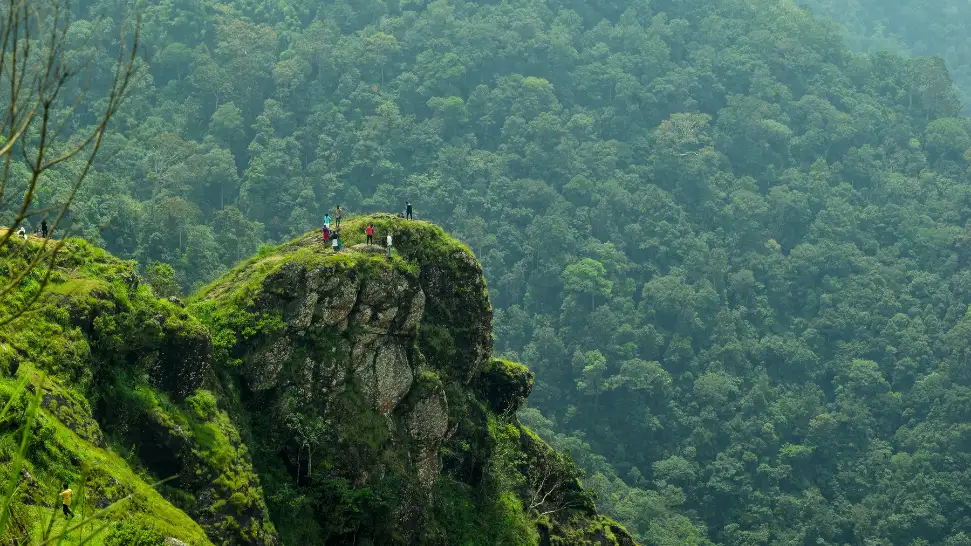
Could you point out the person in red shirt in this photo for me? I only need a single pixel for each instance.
(369, 231)
(326, 233)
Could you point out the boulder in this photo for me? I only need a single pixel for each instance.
(505, 385)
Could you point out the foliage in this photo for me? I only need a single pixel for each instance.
(161, 277)
(134, 532)
(733, 251)
(910, 27)
(492, 513)
(93, 316)
(464, 518)
(21, 525)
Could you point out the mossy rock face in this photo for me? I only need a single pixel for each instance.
(340, 322)
(505, 385)
(354, 388)
(198, 445)
(376, 372)
(108, 317)
(94, 321)
(456, 332)
(184, 362)
(72, 410)
(588, 531)
(343, 349)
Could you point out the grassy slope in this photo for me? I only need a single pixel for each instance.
(45, 347)
(104, 466)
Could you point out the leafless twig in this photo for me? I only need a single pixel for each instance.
(33, 46)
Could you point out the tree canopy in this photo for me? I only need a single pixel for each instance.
(735, 252)
(910, 27)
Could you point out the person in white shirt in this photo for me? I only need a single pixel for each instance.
(389, 245)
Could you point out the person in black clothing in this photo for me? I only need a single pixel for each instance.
(408, 211)
(43, 228)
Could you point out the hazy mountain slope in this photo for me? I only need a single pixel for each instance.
(733, 251)
(937, 28)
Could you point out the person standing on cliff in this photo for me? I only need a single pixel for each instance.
(389, 245)
(326, 233)
(408, 211)
(369, 231)
(337, 216)
(43, 228)
(327, 221)
(66, 495)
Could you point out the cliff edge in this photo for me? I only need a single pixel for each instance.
(306, 397)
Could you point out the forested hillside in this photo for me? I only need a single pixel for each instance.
(912, 27)
(735, 253)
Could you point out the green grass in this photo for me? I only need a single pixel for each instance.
(414, 241)
(87, 282)
(41, 517)
(78, 287)
(62, 446)
(244, 281)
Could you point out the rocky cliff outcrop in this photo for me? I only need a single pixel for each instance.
(372, 374)
(313, 397)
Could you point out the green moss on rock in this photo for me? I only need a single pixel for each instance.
(94, 323)
(67, 446)
(305, 397)
(456, 332)
(505, 385)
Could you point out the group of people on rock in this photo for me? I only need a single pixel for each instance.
(334, 237)
(369, 235)
(42, 230)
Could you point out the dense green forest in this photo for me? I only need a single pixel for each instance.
(734, 252)
(911, 27)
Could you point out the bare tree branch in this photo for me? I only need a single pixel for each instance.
(33, 41)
